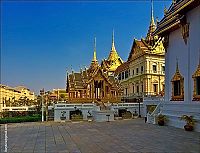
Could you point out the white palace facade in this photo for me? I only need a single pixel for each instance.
(180, 29)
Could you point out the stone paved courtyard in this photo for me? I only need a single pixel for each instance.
(122, 136)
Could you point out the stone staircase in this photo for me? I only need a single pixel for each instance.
(173, 111)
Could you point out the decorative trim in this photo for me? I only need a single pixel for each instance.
(178, 77)
(185, 32)
(194, 76)
(166, 42)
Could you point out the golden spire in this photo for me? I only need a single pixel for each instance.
(94, 62)
(152, 17)
(113, 59)
(95, 53)
(152, 27)
(113, 42)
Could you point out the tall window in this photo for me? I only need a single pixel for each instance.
(177, 88)
(198, 85)
(196, 88)
(119, 76)
(126, 91)
(142, 69)
(163, 68)
(137, 70)
(122, 75)
(126, 74)
(142, 88)
(133, 89)
(137, 89)
(155, 87)
(133, 72)
(154, 68)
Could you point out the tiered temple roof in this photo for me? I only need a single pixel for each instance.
(175, 16)
(113, 60)
(95, 83)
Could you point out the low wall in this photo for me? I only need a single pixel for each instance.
(102, 116)
(174, 110)
(62, 111)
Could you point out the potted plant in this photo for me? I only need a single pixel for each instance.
(161, 119)
(190, 122)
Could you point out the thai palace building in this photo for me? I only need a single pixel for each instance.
(144, 72)
(96, 83)
(180, 28)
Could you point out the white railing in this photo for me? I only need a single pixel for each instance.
(151, 118)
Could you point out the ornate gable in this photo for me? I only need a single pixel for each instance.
(98, 74)
(138, 49)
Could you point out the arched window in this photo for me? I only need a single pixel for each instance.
(177, 86)
(196, 79)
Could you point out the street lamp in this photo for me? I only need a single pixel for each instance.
(139, 107)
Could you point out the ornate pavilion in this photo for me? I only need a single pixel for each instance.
(96, 83)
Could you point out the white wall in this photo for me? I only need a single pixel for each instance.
(194, 42)
(187, 54)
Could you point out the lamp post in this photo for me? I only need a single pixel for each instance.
(42, 94)
(139, 107)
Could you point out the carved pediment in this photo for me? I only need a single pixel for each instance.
(197, 72)
(177, 76)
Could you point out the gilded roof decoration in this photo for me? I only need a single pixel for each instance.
(114, 60)
(177, 76)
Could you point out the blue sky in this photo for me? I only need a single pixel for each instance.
(40, 40)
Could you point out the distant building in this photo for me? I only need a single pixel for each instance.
(144, 71)
(59, 94)
(96, 83)
(9, 95)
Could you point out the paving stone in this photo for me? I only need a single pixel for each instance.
(122, 136)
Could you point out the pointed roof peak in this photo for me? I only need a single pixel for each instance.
(152, 17)
(113, 41)
(94, 53)
(152, 26)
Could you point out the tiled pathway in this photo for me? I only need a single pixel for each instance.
(122, 136)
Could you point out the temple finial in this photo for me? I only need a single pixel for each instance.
(152, 27)
(113, 41)
(152, 17)
(94, 54)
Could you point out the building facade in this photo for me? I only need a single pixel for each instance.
(181, 33)
(96, 83)
(59, 95)
(144, 71)
(182, 51)
(10, 95)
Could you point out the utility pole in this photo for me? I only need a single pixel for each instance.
(42, 94)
